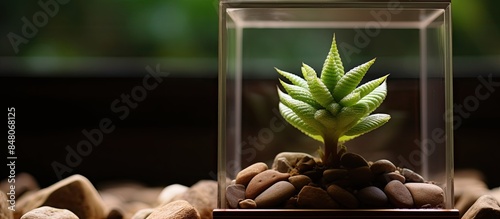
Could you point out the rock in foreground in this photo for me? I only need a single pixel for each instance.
(179, 209)
(486, 207)
(74, 193)
(47, 212)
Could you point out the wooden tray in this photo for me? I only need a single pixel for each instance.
(324, 214)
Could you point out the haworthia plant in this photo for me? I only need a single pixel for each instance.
(332, 108)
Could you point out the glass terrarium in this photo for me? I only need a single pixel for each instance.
(335, 108)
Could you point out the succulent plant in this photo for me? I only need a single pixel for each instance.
(332, 108)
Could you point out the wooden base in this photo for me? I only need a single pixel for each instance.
(336, 214)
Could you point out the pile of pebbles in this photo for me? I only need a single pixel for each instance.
(76, 197)
(300, 181)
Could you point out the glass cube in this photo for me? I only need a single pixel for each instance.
(411, 41)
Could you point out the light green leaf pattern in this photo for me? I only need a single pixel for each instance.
(334, 103)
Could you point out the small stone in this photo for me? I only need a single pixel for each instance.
(117, 208)
(372, 196)
(291, 203)
(47, 212)
(315, 198)
(411, 176)
(469, 186)
(283, 166)
(331, 175)
(486, 207)
(117, 213)
(313, 174)
(425, 194)
(247, 204)
(305, 164)
(495, 193)
(5, 212)
(202, 196)
(291, 157)
(299, 181)
(382, 166)
(361, 176)
(393, 176)
(234, 194)
(75, 193)
(342, 196)
(133, 207)
(25, 182)
(179, 209)
(169, 192)
(398, 194)
(344, 183)
(262, 181)
(276, 194)
(352, 160)
(143, 213)
(244, 176)
(131, 192)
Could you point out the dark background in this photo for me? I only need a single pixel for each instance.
(89, 54)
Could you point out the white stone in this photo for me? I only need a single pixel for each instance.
(169, 192)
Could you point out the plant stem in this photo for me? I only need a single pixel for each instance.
(331, 143)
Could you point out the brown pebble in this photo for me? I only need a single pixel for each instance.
(352, 160)
(425, 194)
(305, 164)
(398, 194)
(361, 176)
(382, 166)
(331, 175)
(291, 203)
(315, 198)
(342, 196)
(179, 209)
(245, 175)
(276, 194)
(411, 176)
(372, 196)
(486, 207)
(394, 176)
(234, 194)
(262, 181)
(299, 181)
(247, 204)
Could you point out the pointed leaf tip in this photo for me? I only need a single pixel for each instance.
(350, 80)
(333, 68)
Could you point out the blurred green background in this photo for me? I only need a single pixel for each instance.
(183, 34)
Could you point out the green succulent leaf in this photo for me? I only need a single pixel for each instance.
(296, 80)
(350, 115)
(334, 108)
(332, 69)
(325, 118)
(350, 99)
(300, 93)
(367, 124)
(350, 80)
(303, 110)
(368, 87)
(318, 90)
(298, 123)
(375, 98)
